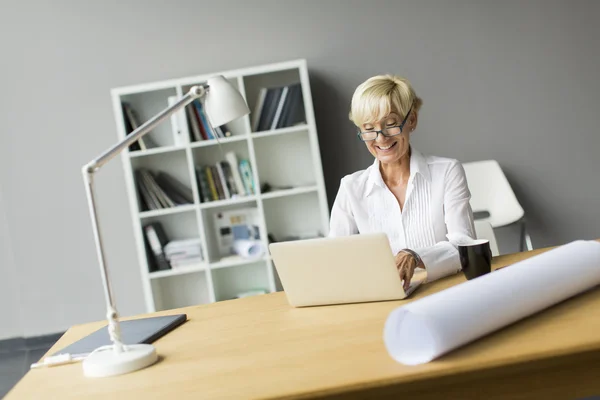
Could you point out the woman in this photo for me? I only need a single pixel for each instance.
(421, 202)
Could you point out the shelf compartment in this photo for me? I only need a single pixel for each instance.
(180, 291)
(236, 127)
(209, 156)
(181, 226)
(177, 226)
(146, 105)
(285, 160)
(174, 164)
(253, 84)
(213, 224)
(293, 217)
(229, 282)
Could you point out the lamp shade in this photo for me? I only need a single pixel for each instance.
(223, 102)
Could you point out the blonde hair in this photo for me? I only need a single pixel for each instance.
(379, 95)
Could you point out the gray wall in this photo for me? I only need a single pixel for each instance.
(513, 80)
(10, 304)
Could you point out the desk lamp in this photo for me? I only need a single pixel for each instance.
(222, 103)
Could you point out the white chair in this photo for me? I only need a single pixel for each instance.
(484, 230)
(492, 195)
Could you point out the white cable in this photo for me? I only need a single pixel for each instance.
(60, 359)
(67, 358)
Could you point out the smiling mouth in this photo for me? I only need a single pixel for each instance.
(385, 148)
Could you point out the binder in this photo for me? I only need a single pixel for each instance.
(157, 239)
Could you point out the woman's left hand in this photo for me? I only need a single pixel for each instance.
(406, 264)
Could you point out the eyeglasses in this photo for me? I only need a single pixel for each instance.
(387, 132)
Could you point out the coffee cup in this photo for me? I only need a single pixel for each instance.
(475, 258)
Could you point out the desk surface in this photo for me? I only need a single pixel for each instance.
(259, 347)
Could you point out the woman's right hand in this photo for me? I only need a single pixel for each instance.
(406, 264)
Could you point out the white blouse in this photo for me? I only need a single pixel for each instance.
(436, 211)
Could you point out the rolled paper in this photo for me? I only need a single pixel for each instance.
(434, 325)
(248, 248)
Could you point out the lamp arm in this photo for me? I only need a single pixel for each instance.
(88, 171)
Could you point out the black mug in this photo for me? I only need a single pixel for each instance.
(475, 258)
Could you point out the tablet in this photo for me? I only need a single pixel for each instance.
(137, 331)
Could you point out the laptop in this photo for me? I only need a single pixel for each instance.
(348, 269)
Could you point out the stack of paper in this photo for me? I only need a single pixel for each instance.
(184, 253)
(427, 328)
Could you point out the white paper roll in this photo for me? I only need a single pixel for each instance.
(427, 328)
(248, 248)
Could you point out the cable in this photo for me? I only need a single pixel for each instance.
(67, 358)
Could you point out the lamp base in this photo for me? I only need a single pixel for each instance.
(107, 362)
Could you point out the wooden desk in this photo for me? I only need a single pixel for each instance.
(259, 347)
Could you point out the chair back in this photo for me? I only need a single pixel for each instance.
(491, 193)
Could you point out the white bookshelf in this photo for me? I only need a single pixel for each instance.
(287, 157)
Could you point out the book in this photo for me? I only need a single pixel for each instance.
(263, 118)
(229, 178)
(193, 124)
(296, 114)
(161, 190)
(131, 117)
(260, 101)
(146, 202)
(211, 183)
(164, 200)
(217, 180)
(131, 124)
(247, 178)
(282, 101)
(203, 187)
(135, 146)
(271, 108)
(292, 101)
(147, 188)
(221, 173)
(210, 134)
(235, 172)
(175, 190)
